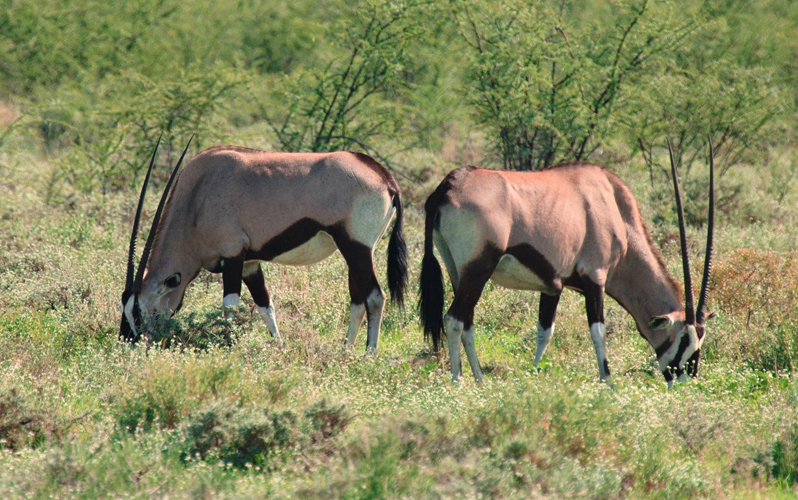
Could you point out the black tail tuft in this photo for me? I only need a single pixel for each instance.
(397, 256)
(430, 302)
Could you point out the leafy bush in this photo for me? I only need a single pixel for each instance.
(22, 424)
(240, 437)
(758, 286)
(548, 84)
(338, 106)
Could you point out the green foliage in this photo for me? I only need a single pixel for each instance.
(237, 436)
(549, 84)
(117, 137)
(20, 424)
(335, 105)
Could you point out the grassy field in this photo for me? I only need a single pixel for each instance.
(213, 409)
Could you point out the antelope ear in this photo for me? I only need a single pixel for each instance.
(710, 315)
(660, 322)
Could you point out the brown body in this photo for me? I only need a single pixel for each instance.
(575, 226)
(233, 207)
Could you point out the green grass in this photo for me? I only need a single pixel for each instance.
(215, 409)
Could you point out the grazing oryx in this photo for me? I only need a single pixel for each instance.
(233, 207)
(574, 225)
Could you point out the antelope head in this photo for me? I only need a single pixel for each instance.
(680, 353)
(133, 307)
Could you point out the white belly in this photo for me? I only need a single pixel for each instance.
(314, 250)
(512, 274)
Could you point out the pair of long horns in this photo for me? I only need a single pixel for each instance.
(134, 284)
(698, 315)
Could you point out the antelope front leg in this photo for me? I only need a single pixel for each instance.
(256, 283)
(546, 313)
(594, 304)
(232, 271)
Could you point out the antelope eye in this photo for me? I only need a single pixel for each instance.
(172, 281)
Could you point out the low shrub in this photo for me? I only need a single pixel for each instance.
(239, 436)
(21, 423)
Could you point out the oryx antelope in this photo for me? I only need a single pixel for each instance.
(232, 207)
(574, 225)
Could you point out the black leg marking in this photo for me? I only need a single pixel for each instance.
(232, 270)
(472, 281)
(594, 306)
(460, 317)
(594, 301)
(547, 310)
(256, 284)
(362, 282)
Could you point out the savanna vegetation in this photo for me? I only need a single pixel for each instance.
(211, 408)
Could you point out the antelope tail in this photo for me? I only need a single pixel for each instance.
(430, 302)
(397, 256)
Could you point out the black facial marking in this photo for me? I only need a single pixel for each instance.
(126, 332)
(663, 348)
(685, 342)
(692, 364)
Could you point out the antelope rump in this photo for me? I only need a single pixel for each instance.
(574, 225)
(233, 207)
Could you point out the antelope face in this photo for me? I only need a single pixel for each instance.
(681, 349)
(163, 297)
(136, 308)
(140, 298)
(679, 352)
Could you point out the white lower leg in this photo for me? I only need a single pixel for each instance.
(229, 301)
(271, 321)
(356, 314)
(454, 332)
(375, 302)
(471, 352)
(544, 337)
(599, 335)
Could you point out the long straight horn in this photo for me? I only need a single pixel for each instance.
(702, 297)
(132, 250)
(688, 283)
(145, 255)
